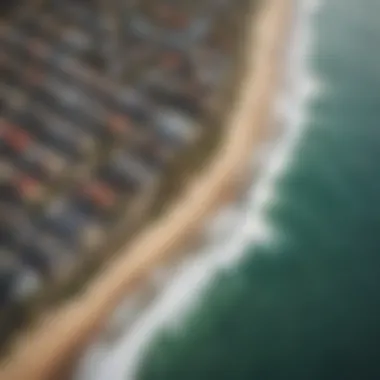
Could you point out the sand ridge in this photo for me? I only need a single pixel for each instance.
(60, 335)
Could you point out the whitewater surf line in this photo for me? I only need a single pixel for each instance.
(227, 246)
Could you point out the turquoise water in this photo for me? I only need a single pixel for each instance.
(304, 303)
(289, 286)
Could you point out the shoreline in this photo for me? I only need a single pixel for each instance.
(42, 352)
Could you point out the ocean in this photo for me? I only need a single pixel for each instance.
(288, 285)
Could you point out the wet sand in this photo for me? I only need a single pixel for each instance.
(61, 335)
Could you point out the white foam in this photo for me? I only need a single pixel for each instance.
(231, 232)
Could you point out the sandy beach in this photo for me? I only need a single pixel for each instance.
(60, 336)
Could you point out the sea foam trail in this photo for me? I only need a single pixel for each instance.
(235, 228)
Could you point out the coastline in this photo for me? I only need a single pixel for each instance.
(42, 352)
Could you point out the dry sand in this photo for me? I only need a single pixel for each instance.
(48, 348)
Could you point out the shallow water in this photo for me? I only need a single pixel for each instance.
(289, 287)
